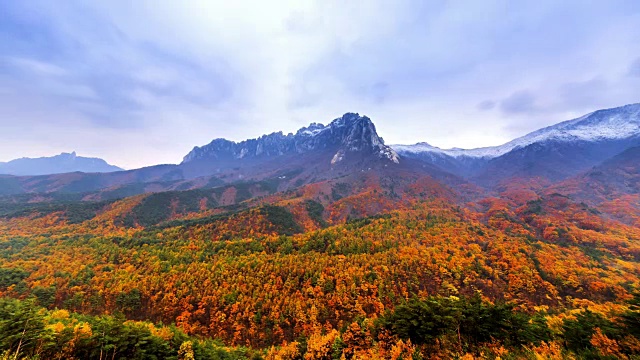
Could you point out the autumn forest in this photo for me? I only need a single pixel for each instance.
(360, 267)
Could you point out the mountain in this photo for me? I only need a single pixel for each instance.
(63, 163)
(601, 125)
(348, 144)
(351, 144)
(555, 152)
(344, 137)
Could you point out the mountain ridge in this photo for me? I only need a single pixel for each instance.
(350, 144)
(555, 152)
(57, 164)
(570, 130)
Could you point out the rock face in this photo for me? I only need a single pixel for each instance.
(63, 163)
(349, 134)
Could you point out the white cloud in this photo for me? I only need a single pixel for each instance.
(142, 82)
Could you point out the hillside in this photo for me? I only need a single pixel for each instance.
(322, 262)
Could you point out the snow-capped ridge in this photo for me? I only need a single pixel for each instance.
(607, 124)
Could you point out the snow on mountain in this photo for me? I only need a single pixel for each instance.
(312, 130)
(349, 133)
(609, 124)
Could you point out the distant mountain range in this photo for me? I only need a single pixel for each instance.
(602, 125)
(63, 163)
(347, 145)
(555, 152)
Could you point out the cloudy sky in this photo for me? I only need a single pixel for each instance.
(141, 82)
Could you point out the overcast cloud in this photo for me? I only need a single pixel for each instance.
(140, 83)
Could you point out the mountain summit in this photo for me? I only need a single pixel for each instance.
(345, 136)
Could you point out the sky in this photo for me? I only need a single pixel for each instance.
(141, 82)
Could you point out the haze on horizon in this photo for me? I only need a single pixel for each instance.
(142, 83)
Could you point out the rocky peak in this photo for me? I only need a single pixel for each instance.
(310, 130)
(360, 132)
(65, 156)
(347, 134)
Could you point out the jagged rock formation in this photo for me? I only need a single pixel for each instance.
(346, 135)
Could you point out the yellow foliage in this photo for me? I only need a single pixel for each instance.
(57, 327)
(59, 314)
(186, 351)
(162, 332)
(401, 350)
(83, 329)
(555, 322)
(319, 346)
(285, 352)
(547, 351)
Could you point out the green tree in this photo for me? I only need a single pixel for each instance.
(22, 327)
(578, 332)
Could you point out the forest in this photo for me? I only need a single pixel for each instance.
(412, 273)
